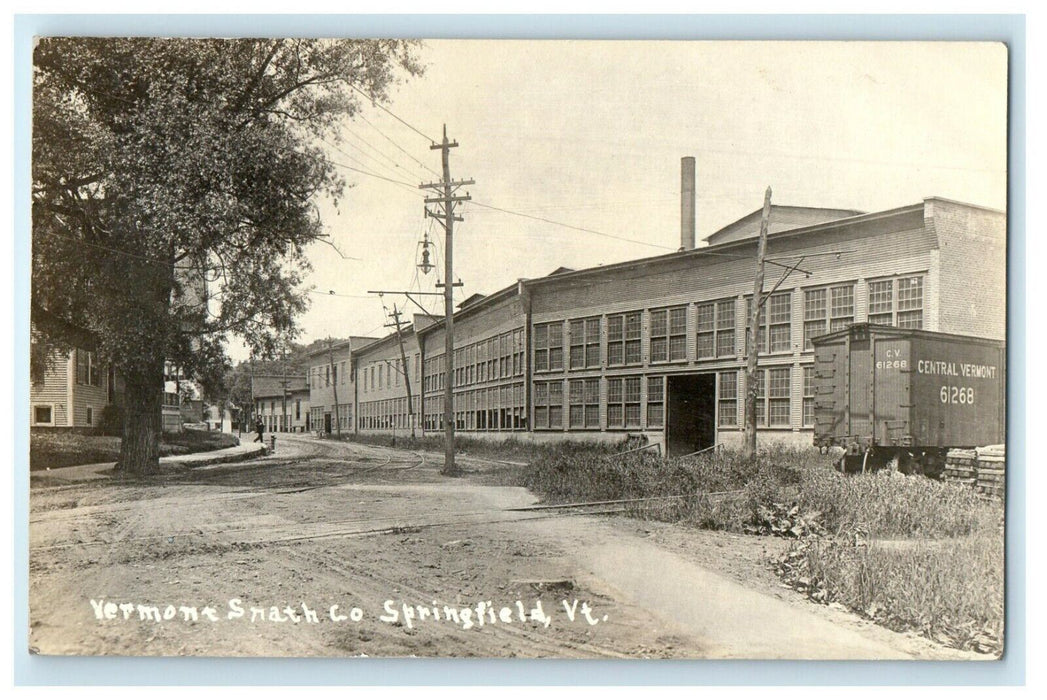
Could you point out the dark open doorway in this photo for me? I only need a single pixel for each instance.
(691, 417)
(327, 423)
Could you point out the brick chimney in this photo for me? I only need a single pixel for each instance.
(687, 201)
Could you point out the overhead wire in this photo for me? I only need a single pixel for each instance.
(390, 112)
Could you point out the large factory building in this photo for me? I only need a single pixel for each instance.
(657, 346)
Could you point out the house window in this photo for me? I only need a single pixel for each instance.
(343, 373)
(298, 409)
(669, 334)
(90, 415)
(808, 395)
(43, 414)
(897, 302)
(727, 401)
(655, 401)
(623, 338)
(585, 403)
(87, 370)
(716, 329)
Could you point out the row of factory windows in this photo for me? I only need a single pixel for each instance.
(497, 357)
(629, 402)
(628, 406)
(895, 301)
(497, 408)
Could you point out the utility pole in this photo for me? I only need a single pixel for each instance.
(447, 197)
(334, 385)
(403, 363)
(752, 346)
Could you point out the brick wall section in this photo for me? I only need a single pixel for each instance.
(972, 244)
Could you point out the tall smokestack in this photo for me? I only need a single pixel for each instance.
(687, 203)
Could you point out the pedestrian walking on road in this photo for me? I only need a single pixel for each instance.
(259, 428)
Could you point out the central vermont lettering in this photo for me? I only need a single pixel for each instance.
(956, 369)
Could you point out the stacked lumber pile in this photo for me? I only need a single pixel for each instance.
(992, 463)
(961, 466)
(983, 468)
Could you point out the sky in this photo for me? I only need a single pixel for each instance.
(589, 134)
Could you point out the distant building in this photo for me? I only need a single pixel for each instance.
(281, 403)
(330, 376)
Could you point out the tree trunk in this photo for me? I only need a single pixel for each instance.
(140, 445)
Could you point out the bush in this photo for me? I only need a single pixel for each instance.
(112, 420)
(949, 590)
(715, 490)
(887, 504)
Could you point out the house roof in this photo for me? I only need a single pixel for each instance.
(275, 385)
(352, 342)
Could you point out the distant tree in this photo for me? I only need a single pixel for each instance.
(166, 167)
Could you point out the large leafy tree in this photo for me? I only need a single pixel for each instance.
(175, 184)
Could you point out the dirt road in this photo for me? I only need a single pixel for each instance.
(328, 549)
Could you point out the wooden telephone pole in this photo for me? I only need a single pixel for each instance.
(447, 198)
(752, 350)
(403, 363)
(334, 385)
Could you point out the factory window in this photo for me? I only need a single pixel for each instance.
(881, 302)
(897, 302)
(727, 401)
(808, 395)
(669, 334)
(910, 302)
(548, 346)
(615, 403)
(775, 324)
(623, 338)
(632, 402)
(716, 329)
(841, 313)
(778, 396)
(655, 401)
(548, 405)
(518, 357)
(585, 403)
(826, 310)
(585, 343)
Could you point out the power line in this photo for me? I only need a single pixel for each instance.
(377, 163)
(385, 109)
(398, 146)
(576, 228)
(374, 148)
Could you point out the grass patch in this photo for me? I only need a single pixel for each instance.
(906, 551)
(55, 449)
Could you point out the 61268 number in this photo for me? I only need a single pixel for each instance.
(957, 394)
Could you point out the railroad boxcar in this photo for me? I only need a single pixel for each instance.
(901, 398)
